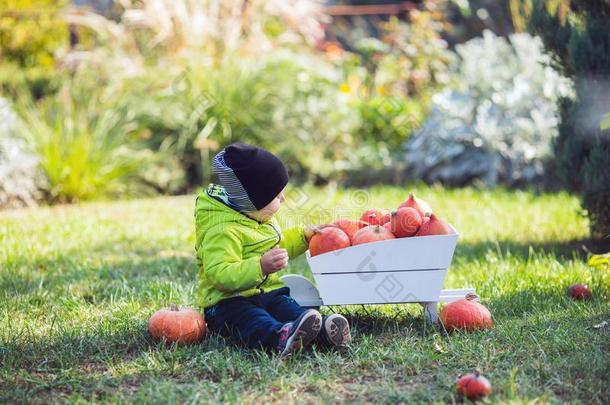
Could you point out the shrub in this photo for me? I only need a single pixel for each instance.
(87, 148)
(31, 33)
(289, 103)
(419, 58)
(196, 87)
(596, 189)
(151, 32)
(27, 83)
(389, 120)
(251, 74)
(390, 84)
(577, 33)
(20, 179)
(497, 124)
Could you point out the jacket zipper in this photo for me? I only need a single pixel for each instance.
(279, 239)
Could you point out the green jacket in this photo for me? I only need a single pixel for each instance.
(229, 245)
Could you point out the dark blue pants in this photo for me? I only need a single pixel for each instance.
(254, 321)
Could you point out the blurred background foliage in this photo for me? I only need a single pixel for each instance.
(577, 34)
(129, 97)
(496, 124)
(31, 35)
(87, 145)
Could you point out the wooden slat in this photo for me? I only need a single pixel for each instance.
(454, 295)
(382, 288)
(418, 253)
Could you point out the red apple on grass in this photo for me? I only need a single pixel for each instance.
(579, 292)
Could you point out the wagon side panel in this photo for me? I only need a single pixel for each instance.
(380, 287)
(424, 253)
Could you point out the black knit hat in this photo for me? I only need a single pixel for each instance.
(252, 176)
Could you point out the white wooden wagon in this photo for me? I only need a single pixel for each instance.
(396, 271)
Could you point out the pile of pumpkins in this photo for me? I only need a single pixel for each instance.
(414, 217)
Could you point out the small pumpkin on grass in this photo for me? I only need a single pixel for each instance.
(473, 386)
(466, 314)
(181, 325)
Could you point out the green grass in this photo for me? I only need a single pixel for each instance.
(78, 284)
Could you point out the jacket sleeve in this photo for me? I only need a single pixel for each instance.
(293, 240)
(221, 255)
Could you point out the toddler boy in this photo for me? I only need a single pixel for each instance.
(240, 249)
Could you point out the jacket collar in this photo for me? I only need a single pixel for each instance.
(218, 193)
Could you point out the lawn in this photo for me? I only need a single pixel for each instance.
(78, 284)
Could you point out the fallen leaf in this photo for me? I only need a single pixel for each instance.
(438, 348)
(600, 261)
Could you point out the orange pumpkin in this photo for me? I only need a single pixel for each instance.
(473, 386)
(180, 325)
(328, 239)
(388, 226)
(349, 226)
(465, 314)
(433, 226)
(376, 216)
(418, 204)
(405, 222)
(387, 216)
(372, 233)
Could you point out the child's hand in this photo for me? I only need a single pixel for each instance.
(274, 260)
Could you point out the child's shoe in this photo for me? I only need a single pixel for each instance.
(300, 332)
(336, 332)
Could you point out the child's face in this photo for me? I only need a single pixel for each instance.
(267, 212)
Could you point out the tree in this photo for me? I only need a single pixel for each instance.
(577, 33)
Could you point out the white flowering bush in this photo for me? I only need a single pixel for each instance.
(20, 178)
(166, 31)
(497, 121)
